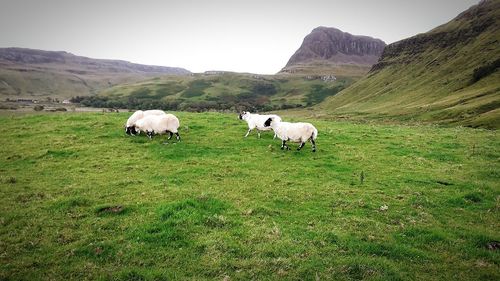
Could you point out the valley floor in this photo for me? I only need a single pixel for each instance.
(82, 200)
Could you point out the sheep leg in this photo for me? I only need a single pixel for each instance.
(177, 137)
(274, 136)
(248, 133)
(149, 134)
(283, 145)
(301, 145)
(170, 136)
(258, 134)
(313, 145)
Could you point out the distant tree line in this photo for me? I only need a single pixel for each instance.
(244, 101)
(252, 95)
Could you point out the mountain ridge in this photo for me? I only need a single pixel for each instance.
(34, 56)
(28, 73)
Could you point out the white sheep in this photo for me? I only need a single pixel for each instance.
(159, 124)
(256, 121)
(295, 132)
(139, 114)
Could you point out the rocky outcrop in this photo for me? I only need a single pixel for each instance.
(331, 45)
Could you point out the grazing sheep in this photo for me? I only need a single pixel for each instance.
(295, 132)
(139, 114)
(256, 121)
(159, 124)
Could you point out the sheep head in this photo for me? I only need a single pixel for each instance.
(243, 114)
(268, 122)
(130, 131)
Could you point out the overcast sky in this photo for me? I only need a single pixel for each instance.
(257, 36)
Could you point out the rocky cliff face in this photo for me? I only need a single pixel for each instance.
(332, 46)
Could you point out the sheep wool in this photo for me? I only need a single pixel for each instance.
(159, 124)
(139, 114)
(294, 132)
(256, 121)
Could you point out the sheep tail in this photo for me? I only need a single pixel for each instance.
(314, 134)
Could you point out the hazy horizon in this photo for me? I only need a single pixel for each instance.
(242, 36)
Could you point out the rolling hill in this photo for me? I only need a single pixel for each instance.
(29, 73)
(221, 91)
(447, 75)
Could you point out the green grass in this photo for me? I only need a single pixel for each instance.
(81, 200)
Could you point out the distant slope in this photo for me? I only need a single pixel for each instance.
(328, 50)
(220, 90)
(449, 75)
(28, 73)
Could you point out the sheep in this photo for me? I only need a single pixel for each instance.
(139, 114)
(295, 132)
(257, 121)
(159, 124)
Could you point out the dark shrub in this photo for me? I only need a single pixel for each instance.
(485, 70)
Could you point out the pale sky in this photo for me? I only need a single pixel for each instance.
(256, 36)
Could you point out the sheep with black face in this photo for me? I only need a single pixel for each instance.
(294, 132)
(159, 124)
(139, 114)
(256, 121)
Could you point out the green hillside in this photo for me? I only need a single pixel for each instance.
(39, 84)
(221, 91)
(447, 75)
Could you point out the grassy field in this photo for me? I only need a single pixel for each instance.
(81, 200)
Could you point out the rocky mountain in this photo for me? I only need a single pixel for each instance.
(449, 75)
(30, 73)
(330, 50)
